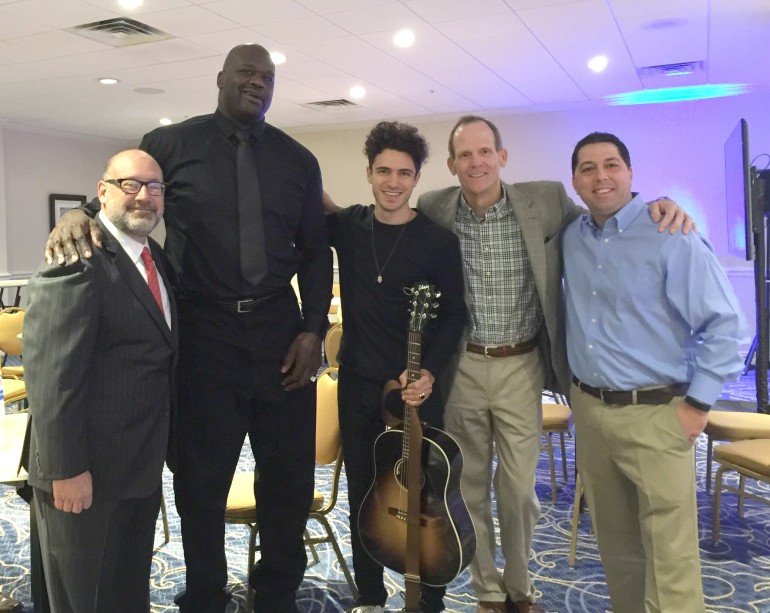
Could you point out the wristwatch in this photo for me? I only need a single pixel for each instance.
(697, 404)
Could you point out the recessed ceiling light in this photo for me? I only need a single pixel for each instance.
(130, 5)
(598, 63)
(165, 121)
(404, 39)
(277, 57)
(357, 92)
(108, 81)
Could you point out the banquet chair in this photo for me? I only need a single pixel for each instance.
(14, 390)
(557, 419)
(332, 344)
(750, 459)
(732, 426)
(577, 509)
(11, 324)
(242, 505)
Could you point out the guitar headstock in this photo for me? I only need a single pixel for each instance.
(423, 305)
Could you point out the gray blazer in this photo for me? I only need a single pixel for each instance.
(543, 210)
(99, 361)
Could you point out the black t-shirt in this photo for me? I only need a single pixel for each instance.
(376, 315)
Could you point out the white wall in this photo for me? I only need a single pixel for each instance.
(677, 149)
(35, 165)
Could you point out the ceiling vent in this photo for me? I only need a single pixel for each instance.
(329, 104)
(120, 32)
(671, 70)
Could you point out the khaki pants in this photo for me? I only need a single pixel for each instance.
(638, 472)
(495, 407)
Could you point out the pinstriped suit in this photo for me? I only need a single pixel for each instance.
(99, 360)
(497, 400)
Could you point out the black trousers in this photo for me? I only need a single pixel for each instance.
(98, 561)
(229, 377)
(360, 407)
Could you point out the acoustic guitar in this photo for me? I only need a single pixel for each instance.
(413, 519)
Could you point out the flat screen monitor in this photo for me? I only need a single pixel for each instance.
(740, 223)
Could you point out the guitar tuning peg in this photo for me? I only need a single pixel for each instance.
(434, 305)
(433, 316)
(438, 294)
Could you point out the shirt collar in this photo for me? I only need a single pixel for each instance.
(130, 245)
(623, 218)
(230, 127)
(496, 211)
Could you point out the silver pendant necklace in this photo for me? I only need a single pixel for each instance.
(392, 250)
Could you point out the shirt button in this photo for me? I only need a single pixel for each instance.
(590, 346)
(593, 321)
(593, 293)
(606, 240)
(599, 266)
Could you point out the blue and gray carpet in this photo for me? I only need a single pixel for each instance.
(736, 571)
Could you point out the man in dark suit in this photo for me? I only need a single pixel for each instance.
(100, 346)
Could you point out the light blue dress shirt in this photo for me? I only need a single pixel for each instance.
(646, 308)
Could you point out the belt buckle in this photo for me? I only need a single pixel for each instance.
(486, 351)
(241, 305)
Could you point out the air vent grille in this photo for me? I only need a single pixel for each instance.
(120, 32)
(326, 104)
(671, 70)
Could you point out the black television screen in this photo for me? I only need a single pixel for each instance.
(740, 227)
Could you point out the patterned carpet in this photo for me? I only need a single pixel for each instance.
(736, 571)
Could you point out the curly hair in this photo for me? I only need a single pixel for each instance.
(399, 137)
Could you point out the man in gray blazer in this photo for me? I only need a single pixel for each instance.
(100, 347)
(513, 347)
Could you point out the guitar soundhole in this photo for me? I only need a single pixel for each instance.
(398, 471)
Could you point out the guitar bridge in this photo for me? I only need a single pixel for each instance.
(401, 515)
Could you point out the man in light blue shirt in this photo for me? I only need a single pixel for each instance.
(653, 330)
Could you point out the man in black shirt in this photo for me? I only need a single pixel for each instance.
(247, 352)
(381, 250)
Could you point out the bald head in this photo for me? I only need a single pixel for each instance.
(138, 213)
(246, 84)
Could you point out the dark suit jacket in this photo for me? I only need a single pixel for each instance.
(543, 210)
(99, 361)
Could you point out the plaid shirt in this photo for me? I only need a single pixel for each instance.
(504, 306)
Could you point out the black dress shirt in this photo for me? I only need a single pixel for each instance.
(198, 159)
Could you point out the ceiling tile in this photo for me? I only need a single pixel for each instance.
(252, 13)
(189, 21)
(298, 31)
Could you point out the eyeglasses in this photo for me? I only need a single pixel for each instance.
(134, 186)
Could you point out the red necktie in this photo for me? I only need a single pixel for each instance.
(152, 277)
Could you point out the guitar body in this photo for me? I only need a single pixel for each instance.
(447, 538)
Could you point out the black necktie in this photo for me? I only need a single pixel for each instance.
(252, 233)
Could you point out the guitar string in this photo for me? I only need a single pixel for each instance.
(413, 364)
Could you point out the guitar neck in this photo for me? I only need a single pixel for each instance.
(413, 359)
(413, 356)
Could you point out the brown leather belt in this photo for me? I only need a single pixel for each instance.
(658, 395)
(502, 351)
